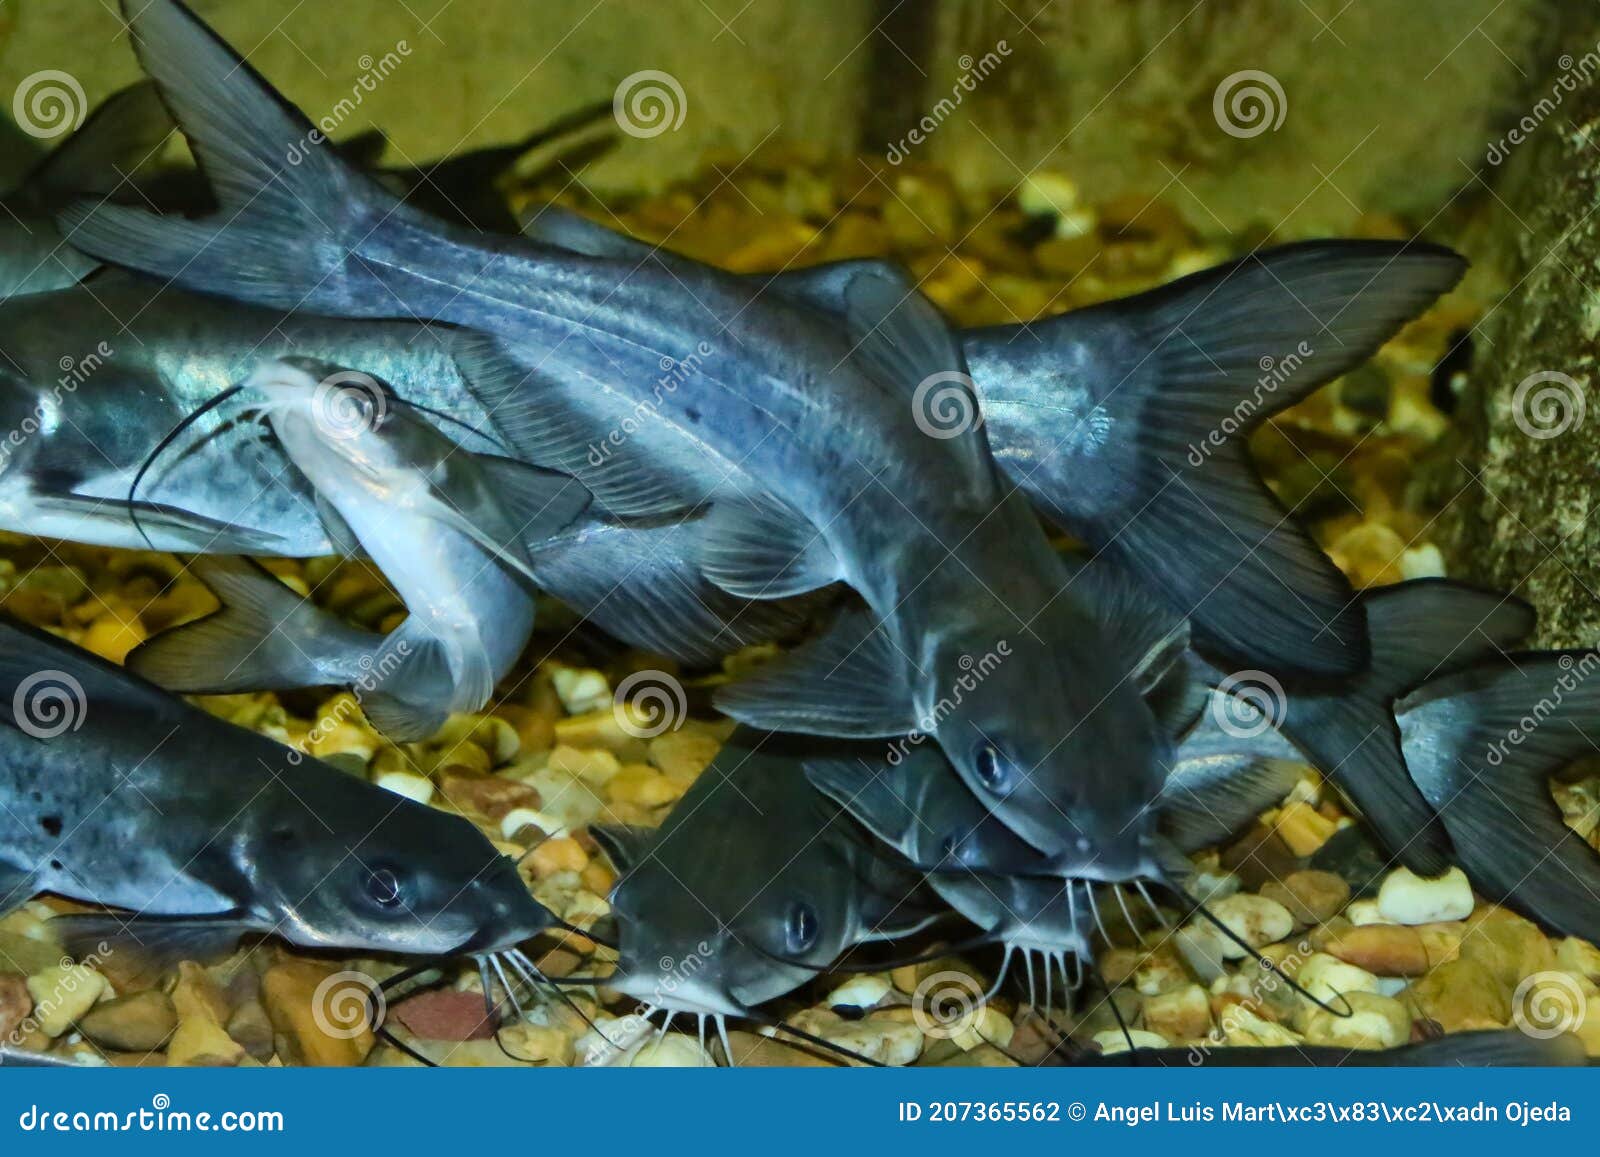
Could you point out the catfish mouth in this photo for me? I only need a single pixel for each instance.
(512, 917)
(676, 994)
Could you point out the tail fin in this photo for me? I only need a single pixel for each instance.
(125, 131)
(1420, 630)
(1127, 423)
(1482, 746)
(265, 637)
(291, 211)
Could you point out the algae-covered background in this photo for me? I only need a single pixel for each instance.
(1384, 105)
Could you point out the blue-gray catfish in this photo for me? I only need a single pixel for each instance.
(913, 802)
(1127, 422)
(117, 793)
(97, 160)
(1421, 630)
(755, 883)
(951, 563)
(1483, 745)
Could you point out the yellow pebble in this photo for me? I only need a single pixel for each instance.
(597, 878)
(642, 785)
(1303, 828)
(558, 854)
(62, 994)
(594, 767)
(112, 637)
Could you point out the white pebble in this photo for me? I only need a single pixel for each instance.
(1256, 920)
(1373, 1022)
(1203, 949)
(673, 1051)
(860, 992)
(1113, 1040)
(1326, 977)
(1406, 898)
(520, 817)
(581, 689)
(1362, 912)
(1211, 885)
(1421, 562)
(413, 787)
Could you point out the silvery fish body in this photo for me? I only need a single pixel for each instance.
(84, 404)
(444, 526)
(116, 793)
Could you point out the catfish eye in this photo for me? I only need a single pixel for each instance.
(383, 888)
(800, 928)
(992, 770)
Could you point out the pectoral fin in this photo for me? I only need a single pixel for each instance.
(849, 682)
(156, 942)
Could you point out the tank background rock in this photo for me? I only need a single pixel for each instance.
(1526, 474)
(1381, 99)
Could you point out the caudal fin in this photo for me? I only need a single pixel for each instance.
(1127, 423)
(125, 132)
(265, 637)
(291, 212)
(1482, 745)
(1420, 630)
